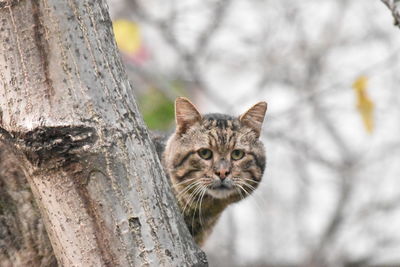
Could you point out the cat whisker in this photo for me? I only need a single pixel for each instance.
(242, 189)
(184, 181)
(200, 183)
(186, 191)
(250, 180)
(188, 201)
(187, 188)
(188, 181)
(249, 186)
(195, 197)
(192, 196)
(250, 197)
(201, 193)
(241, 195)
(193, 186)
(261, 198)
(242, 184)
(201, 201)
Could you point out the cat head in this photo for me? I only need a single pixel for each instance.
(216, 154)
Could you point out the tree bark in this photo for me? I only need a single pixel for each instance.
(23, 238)
(70, 128)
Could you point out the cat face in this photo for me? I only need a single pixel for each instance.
(216, 155)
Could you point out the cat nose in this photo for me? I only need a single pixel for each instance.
(222, 173)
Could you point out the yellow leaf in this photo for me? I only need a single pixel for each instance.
(127, 36)
(365, 105)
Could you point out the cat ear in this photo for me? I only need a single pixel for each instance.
(254, 117)
(186, 114)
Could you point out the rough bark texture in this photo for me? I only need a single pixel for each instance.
(23, 238)
(69, 126)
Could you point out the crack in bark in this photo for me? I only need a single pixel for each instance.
(60, 145)
(42, 46)
(135, 227)
(108, 258)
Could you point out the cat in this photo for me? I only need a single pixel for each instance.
(212, 161)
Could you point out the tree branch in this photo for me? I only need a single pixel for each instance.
(394, 6)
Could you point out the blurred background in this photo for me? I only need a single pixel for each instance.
(329, 71)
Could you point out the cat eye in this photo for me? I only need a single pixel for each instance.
(205, 153)
(237, 154)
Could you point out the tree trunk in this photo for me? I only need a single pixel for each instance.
(70, 128)
(23, 238)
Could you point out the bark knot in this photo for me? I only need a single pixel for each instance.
(134, 224)
(61, 144)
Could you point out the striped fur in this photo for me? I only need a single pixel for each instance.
(201, 192)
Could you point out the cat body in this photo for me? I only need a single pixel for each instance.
(212, 161)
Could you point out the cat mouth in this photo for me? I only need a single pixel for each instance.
(222, 187)
(221, 191)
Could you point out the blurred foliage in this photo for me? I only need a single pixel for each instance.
(130, 42)
(365, 105)
(127, 36)
(157, 109)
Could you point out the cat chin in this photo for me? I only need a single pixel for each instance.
(220, 193)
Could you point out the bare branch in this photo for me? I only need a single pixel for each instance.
(394, 6)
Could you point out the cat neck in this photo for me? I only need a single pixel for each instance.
(201, 214)
(207, 205)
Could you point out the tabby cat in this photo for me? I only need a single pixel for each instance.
(212, 161)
